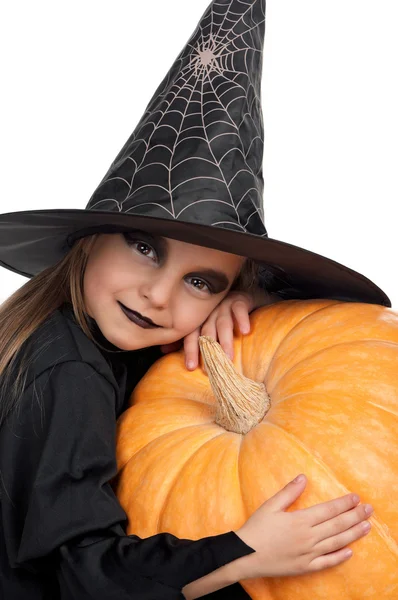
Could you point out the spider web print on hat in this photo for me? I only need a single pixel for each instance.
(196, 155)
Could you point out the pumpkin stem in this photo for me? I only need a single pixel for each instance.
(242, 402)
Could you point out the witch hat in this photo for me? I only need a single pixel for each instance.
(192, 169)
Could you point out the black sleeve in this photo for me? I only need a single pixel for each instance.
(57, 456)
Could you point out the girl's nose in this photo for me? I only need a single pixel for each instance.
(158, 291)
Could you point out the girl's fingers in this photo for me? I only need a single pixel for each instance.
(343, 522)
(330, 560)
(332, 544)
(225, 332)
(329, 510)
(220, 324)
(191, 349)
(209, 328)
(241, 314)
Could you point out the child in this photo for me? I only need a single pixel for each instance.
(165, 250)
(62, 526)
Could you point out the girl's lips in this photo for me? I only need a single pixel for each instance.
(138, 319)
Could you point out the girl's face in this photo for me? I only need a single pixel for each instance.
(174, 284)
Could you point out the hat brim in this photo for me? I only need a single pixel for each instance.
(31, 241)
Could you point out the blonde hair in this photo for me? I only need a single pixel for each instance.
(23, 312)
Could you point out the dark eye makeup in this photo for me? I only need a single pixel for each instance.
(156, 244)
(216, 281)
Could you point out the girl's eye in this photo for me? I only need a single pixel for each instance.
(199, 284)
(142, 247)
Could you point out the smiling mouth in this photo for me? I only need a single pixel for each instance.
(137, 318)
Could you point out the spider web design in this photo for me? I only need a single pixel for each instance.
(196, 155)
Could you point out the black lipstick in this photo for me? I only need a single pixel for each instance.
(138, 319)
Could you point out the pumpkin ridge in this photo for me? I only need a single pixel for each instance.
(287, 305)
(314, 458)
(390, 412)
(381, 529)
(301, 393)
(184, 466)
(178, 430)
(153, 403)
(174, 398)
(165, 399)
(347, 318)
(127, 420)
(321, 351)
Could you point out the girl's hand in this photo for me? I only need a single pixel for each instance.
(220, 326)
(302, 541)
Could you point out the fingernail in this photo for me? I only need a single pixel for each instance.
(245, 329)
(190, 364)
(298, 479)
(368, 509)
(355, 498)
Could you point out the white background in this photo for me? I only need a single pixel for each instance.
(76, 77)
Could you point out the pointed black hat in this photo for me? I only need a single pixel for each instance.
(192, 169)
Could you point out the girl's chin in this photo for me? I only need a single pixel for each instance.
(142, 338)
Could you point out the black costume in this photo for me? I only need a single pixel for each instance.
(62, 530)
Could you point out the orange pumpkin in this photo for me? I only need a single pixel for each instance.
(330, 371)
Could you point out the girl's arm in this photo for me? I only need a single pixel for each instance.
(218, 582)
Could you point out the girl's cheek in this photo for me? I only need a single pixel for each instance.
(190, 318)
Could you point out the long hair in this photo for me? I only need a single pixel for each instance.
(23, 312)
